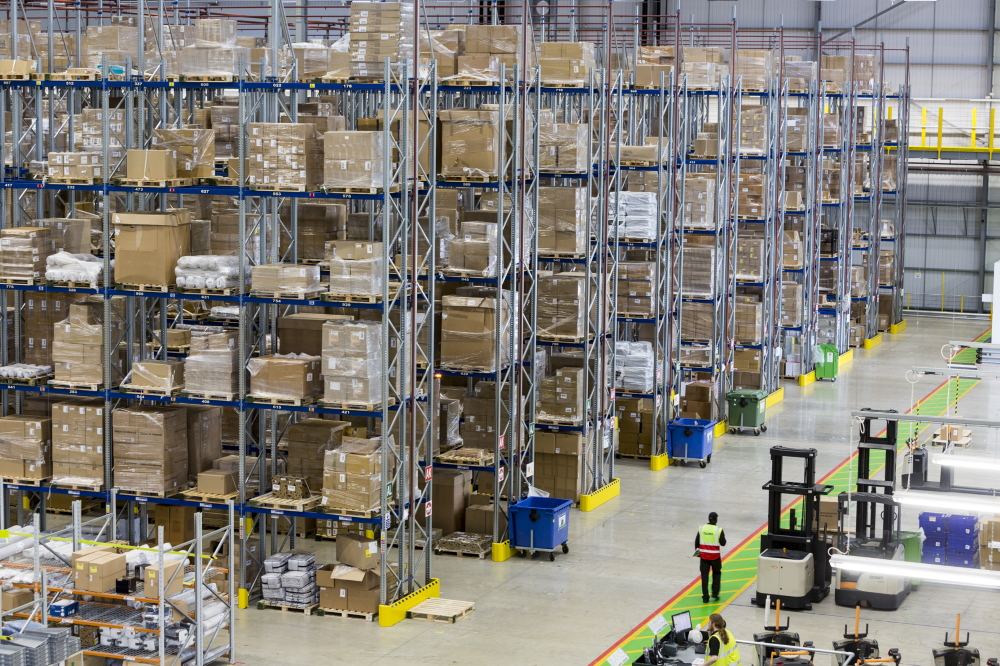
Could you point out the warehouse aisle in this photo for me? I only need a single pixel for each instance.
(630, 556)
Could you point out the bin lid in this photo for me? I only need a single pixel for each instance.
(758, 394)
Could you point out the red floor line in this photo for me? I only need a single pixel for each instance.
(736, 549)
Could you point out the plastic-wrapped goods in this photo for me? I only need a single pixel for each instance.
(318, 224)
(77, 348)
(637, 214)
(444, 46)
(207, 272)
(566, 63)
(66, 267)
(755, 68)
(696, 356)
(859, 282)
(751, 196)
(25, 447)
(656, 55)
(562, 220)
(835, 72)
(290, 376)
(211, 364)
(749, 320)
(862, 173)
(193, 150)
(698, 278)
(70, 234)
(476, 251)
(25, 371)
(799, 74)
(792, 250)
(750, 259)
(698, 322)
(355, 268)
(284, 155)
(215, 32)
(313, 60)
(78, 442)
(703, 75)
(352, 474)
(636, 282)
(379, 30)
(28, 38)
(791, 304)
(478, 67)
(562, 310)
(796, 130)
(470, 142)
(201, 61)
(117, 42)
(563, 396)
(75, 166)
(563, 147)
(753, 130)
(24, 251)
(889, 166)
(699, 202)
(297, 278)
(308, 442)
(634, 366)
(352, 159)
(469, 332)
(232, 464)
(864, 72)
(225, 122)
(655, 77)
(886, 265)
(352, 362)
(150, 448)
(162, 375)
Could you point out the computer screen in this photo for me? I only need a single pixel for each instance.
(682, 622)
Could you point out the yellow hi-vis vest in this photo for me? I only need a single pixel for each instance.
(729, 654)
(708, 542)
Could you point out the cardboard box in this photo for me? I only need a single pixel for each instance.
(468, 331)
(173, 580)
(177, 521)
(292, 377)
(204, 437)
(98, 571)
(162, 375)
(301, 333)
(150, 165)
(15, 598)
(217, 482)
(450, 496)
(148, 245)
(357, 551)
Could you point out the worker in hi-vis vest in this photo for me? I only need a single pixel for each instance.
(722, 649)
(708, 544)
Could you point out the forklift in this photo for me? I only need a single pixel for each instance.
(777, 634)
(862, 649)
(794, 562)
(873, 538)
(958, 653)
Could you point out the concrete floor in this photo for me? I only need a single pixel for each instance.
(632, 554)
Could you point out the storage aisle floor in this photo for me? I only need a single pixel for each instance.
(631, 555)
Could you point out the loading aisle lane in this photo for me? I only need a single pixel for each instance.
(740, 564)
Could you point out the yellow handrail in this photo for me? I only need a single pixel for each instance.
(940, 130)
(972, 139)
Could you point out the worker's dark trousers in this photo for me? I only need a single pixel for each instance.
(716, 568)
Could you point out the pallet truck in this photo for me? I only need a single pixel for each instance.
(863, 649)
(874, 500)
(794, 562)
(958, 653)
(777, 634)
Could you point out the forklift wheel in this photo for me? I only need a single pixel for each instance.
(763, 428)
(565, 548)
(552, 557)
(756, 431)
(732, 431)
(702, 463)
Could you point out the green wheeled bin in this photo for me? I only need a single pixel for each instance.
(747, 410)
(827, 362)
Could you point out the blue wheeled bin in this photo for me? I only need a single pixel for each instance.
(691, 439)
(540, 523)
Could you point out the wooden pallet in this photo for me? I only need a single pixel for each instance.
(31, 381)
(74, 181)
(558, 256)
(222, 78)
(305, 610)
(260, 187)
(171, 349)
(703, 157)
(95, 487)
(149, 493)
(351, 298)
(453, 458)
(461, 553)
(71, 284)
(21, 481)
(313, 294)
(285, 402)
(335, 79)
(633, 456)
(639, 163)
(268, 501)
(350, 513)
(469, 82)
(73, 76)
(75, 386)
(158, 288)
(219, 181)
(142, 182)
(357, 406)
(209, 395)
(358, 190)
(204, 291)
(564, 84)
(86, 507)
(336, 612)
(196, 495)
(23, 281)
(549, 420)
(567, 339)
(15, 77)
(468, 178)
(441, 610)
(469, 368)
(637, 240)
(148, 390)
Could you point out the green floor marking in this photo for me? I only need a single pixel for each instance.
(936, 403)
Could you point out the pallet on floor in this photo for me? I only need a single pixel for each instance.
(306, 610)
(209, 395)
(465, 544)
(75, 386)
(144, 182)
(310, 295)
(149, 390)
(633, 456)
(269, 501)
(436, 609)
(336, 612)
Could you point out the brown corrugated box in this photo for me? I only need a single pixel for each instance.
(148, 245)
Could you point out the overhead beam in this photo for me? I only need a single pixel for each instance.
(917, 418)
(867, 20)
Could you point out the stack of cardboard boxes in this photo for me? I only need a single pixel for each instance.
(150, 449)
(799, 74)
(470, 142)
(478, 425)
(566, 63)
(276, 278)
(352, 474)
(353, 585)
(655, 65)
(193, 150)
(450, 497)
(698, 279)
(749, 320)
(25, 447)
(285, 377)
(284, 155)
(699, 202)
(750, 257)
(487, 47)
(635, 426)
(355, 267)
(159, 375)
(755, 68)
(308, 441)
(211, 364)
(562, 306)
(148, 245)
(78, 352)
(75, 167)
(703, 66)
(216, 51)
(791, 304)
(91, 138)
(444, 46)
(559, 463)
(353, 159)
(318, 224)
(117, 42)
(97, 568)
(792, 250)
(469, 331)
(41, 314)
(698, 322)
(636, 283)
(562, 396)
(696, 400)
(562, 220)
(379, 30)
(352, 362)
(563, 148)
(78, 443)
(24, 251)
(747, 373)
(751, 196)
(886, 268)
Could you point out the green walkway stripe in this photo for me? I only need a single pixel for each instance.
(936, 403)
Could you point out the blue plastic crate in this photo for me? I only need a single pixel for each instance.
(933, 556)
(961, 540)
(960, 523)
(933, 541)
(540, 522)
(690, 439)
(960, 547)
(963, 560)
(933, 523)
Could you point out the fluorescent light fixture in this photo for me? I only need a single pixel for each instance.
(925, 572)
(971, 462)
(947, 503)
